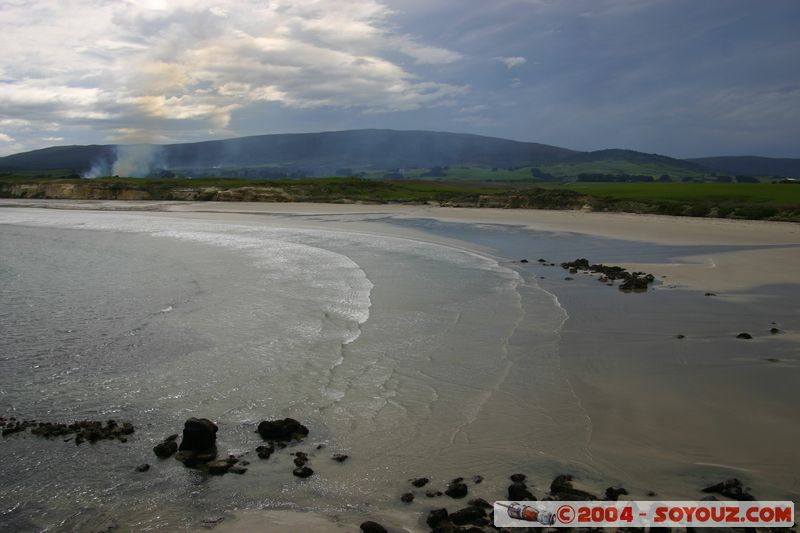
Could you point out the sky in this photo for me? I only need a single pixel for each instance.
(685, 78)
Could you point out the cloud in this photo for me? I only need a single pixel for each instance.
(6, 138)
(192, 65)
(511, 61)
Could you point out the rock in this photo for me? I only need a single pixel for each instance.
(300, 459)
(282, 430)
(710, 294)
(523, 260)
(650, 493)
(519, 492)
(144, 467)
(613, 493)
(561, 488)
(303, 472)
(468, 515)
(679, 336)
(518, 478)
(218, 467)
(165, 449)
(433, 493)
(540, 260)
(264, 452)
(731, 488)
(477, 479)
(372, 527)
(456, 490)
(774, 330)
(480, 502)
(339, 457)
(744, 336)
(199, 435)
(436, 517)
(407, 497)
(420, 482)
(568, 278)
(85, 430)
(236, 469)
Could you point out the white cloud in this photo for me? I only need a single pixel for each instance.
(511, 61)
(6, 138)
(140, 65)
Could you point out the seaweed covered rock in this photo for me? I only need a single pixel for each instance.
(85, 430)
(630, 281)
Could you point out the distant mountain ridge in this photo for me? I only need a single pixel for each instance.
(330, 153)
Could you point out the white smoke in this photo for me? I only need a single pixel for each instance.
(129, 161)
(137, 160)
(99, 168)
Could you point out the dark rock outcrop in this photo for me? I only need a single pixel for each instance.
(199, 442)
(561, 488)
(631, 281)
(731, 488)
(480, 502)
(282, 430)
(199, 434)
(744, 336)
(407, 497)
(372, 527)
(436, 517)
(420, 482)
(167, 447)
(340, 457)
(469, 515)
(303, 472)
(613, 493)
(84, 430)
(456, 489)
(519, 492)
(264, 452)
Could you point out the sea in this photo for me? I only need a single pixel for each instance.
(418, 348)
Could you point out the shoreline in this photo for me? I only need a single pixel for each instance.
(774, 244)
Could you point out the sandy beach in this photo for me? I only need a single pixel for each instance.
(660, 410)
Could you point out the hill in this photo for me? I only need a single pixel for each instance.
(382, 154)
(309, 153)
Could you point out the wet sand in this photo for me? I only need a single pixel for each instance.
(666, 414)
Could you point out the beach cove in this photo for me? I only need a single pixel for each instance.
(412, 338)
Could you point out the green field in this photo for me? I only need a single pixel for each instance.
(770, 201)
(756, 193)
(656, 170)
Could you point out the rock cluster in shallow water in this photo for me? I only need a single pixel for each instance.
(85, 430)
(631, 281)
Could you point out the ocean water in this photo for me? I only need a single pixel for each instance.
(416, 359)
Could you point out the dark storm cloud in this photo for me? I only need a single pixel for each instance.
(680, 77)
